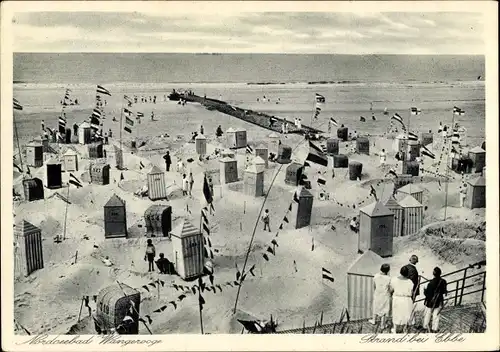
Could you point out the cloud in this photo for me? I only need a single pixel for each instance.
(297, 32)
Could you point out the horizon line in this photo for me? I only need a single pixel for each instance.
(240, 53)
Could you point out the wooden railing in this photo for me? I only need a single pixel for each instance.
(457, 288)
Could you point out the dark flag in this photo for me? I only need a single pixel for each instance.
(321, 181)
(102, 90)
(145, 287)
(326, 274)
(17, 105)
(265, 257)
(393, 173)
(415, 111)
(333, 122)
(362, 119)
(206, 191)
(290, 207)
(249, 149)
(285, 219)
(316, 155)
(412, 136)
(430, 155)
(75, 181)
(320, 98)
(270, 250)
(373, 192)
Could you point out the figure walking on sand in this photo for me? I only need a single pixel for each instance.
(185, 185)
(202, 130)
(265, 219)
(150, 255)
(191, 183)
(168, 161)
(383, 157)
(218, 132)
(381, 296)
(463, 194)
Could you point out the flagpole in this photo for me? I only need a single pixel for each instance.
(18, 147)
(200, 308)
(121, 127)
(448, 170)
(66, 213)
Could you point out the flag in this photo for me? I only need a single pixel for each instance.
(285, 219)
(206, 191)
(128, 121)
(458, 111)
(75, 181)
(296, 196)
(97, 113)
(332, 120)
(249, 149)
(316, 155)
(127, 111)
(127, 129)
(127, 99)
(18, 168)
(397, 118)
(412, 136)
(265, 257)
(140, 114)
(393, 173)
(17, 105)
(426, 153)
(321, 181)
(312, 245)
(270, 250)
(362, 119)
(102, 90)
(326, 274)
(415, 111)
(320, 99)
(373, 192)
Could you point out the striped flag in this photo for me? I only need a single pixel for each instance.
(373, 192)
(127, 111)
(458, 111)
(320, 99)
(326, 274)
(393, 173)
(398, 119)
(316, 155)
(140, 114)
(129, 121)
(75, 181)
(102, 90)
(415, 111)
(333, 122)
(17, 105)
(128, 99)
(97, 113)
(249, 149)
(412, 136)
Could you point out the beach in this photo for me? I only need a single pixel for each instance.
(49, 299)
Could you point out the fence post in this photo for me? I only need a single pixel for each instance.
(463, 286)
(484, 287)
(456, 293)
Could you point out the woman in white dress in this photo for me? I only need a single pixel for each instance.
(382, 295)
(402, 304)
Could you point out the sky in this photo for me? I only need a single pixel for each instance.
(432, 33)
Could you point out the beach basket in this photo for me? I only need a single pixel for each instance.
(402, 180)
(478, 156)
(340, 161)
(342, 133)
(68, 135)
(410, 168)
(363, 145)
(284, 154)
(332, 146)
(427, 138)
(355, 169)
(74, 139)
(95, 151)
(414, 149)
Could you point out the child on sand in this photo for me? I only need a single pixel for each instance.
(191, 183)
(265, 219)
(150, 255)
(185, 185)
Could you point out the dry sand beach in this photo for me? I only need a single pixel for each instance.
(49, 299)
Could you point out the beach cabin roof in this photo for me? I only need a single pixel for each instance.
(409, 202)
(367, 264)
(253, 169)
(227, 159)
(304, 193)
(53, 161)
(376, 209)
(230, 130)
(258, 160)
(70, 152)
(185, 229)
(200, 136)
(477, 149)
(410, 188)
(34, 144)
(155, 170)
(84, 124)
(273, 135)
(22, 227)
(480, 181)
(261, 146)
(115, 201)
(391, 202)
(239, 129)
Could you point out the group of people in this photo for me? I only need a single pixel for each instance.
(267, 99)
(396, 296)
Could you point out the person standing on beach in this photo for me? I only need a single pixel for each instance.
(329, 126)
(152, 115)
(191, 183)
(150, 255)
(75, 129)
(381, 295)
(168, 161)
(110, 133)
(434, 299)
(154, 99)
(43, 125)
(185, 185)
(265, 219)
(218, 132)
(383, 157)
(201, 129)
(463, 194)
(106, 139)
(413, 276)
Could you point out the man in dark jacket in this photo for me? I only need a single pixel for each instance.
(434, 299)
(168, 161)
(413, 275)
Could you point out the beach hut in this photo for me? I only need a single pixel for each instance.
(34, 154)
(99, 173)
(44, 142)
(376, 225)
(400, 143)
(360, 285)
(230, 138)
(254, 181)
(28, 249)
(293, 174)
(84, 133)
(402, 180)
(118, 156)
(95, 150)
(427, 138)
(343, 133)
(53, 174)
(114, 303)
(284, 154)
(187, 246)
(70, 159)
(158, 219)
(332, 146)
(157, 187)
(340, 161)
(478, 157)
(363, 145)
(394, 206)
(228, 170)
(259, 163)
(67, 136)
(410, 168)
(263, 152)
(304, 208)
(355, 170)
(274, 142)
(413, 190)
(476, 193)
(115, 218)
(240, 135)
(33, 189)
(413, 212)
(200, 143)
(413, 149)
